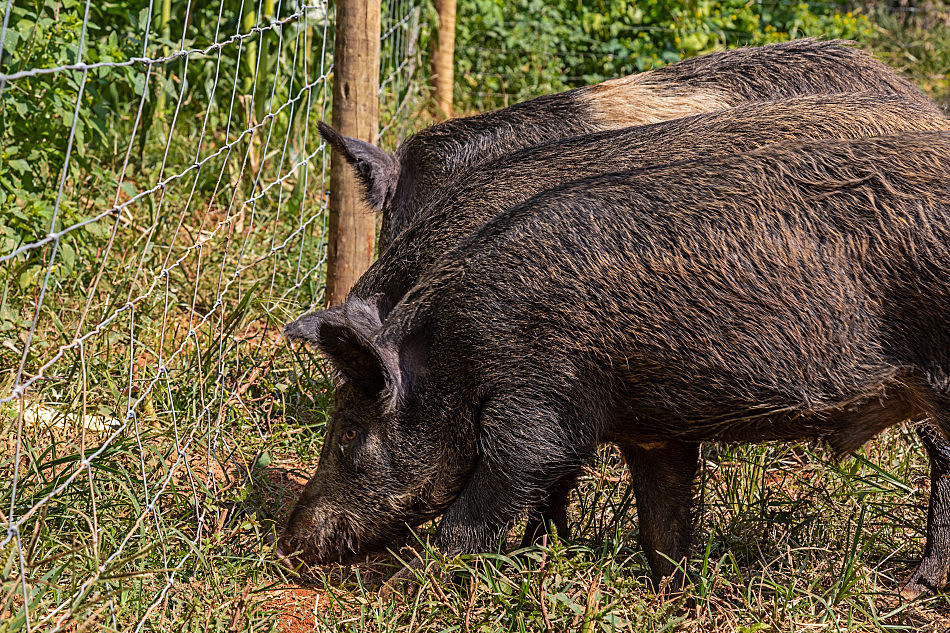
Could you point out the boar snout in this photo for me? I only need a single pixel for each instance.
(284, 553)
(315, 536)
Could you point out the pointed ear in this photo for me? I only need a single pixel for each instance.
(344, 334)
(365, 314)
(307, 327)
(377, 170)
(370, 368)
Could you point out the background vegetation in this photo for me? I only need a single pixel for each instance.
(197, 183)
(510, 51)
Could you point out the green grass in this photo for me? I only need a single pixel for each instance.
(918, 45)
(143, 453)
(212, 513)
(196, 465)
(785, 542)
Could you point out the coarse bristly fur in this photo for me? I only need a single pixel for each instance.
(487, 189)
(798, 291)
(396, 183)
(467, 203)
(463, 205)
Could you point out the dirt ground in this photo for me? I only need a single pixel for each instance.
(297, 608)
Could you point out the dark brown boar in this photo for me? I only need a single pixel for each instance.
(464, 204)
(396, 184)
(796, 292)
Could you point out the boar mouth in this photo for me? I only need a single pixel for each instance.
(345, 536)
(335, 542)
(317, 541)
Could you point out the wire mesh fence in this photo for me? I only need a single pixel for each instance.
(163, 195)
(400, 89)
(162, 214)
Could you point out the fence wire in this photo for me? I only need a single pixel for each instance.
(163, 204)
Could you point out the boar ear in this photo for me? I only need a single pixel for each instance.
(365, 314)
(372, 369)
(344, 334)
(307, 327)
(377, 170)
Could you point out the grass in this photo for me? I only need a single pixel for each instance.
(138, 459)
(155, 463)
(785, 542)
(918, 44)
(159, 525)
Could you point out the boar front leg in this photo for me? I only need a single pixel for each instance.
(663, 476)
(522, 467)
(931, 575)
(497, 492)
(481, 516)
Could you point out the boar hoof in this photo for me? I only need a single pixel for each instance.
(406, 580)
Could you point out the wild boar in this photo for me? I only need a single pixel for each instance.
(800, 291)
(395, 184)
(462, 205)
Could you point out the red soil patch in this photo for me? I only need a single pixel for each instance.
(297, 609)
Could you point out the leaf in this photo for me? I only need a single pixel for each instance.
(129, 189)
(19, 165)
(98, 229)
(11, 40)
(28, 277)
(263, 461)
(68, 255)
(80, 140)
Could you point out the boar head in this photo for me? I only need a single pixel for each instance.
(391, 459)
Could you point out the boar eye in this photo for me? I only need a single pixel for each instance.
(347, 436)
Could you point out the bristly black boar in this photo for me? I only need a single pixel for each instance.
(465, 203)
(493, 187)
(396, 183)
(796, 292)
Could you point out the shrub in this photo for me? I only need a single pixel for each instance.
(508, 51)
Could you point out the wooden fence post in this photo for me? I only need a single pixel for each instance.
(352, 227)
(443, 57)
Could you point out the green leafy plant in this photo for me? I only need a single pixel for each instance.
(511, 51)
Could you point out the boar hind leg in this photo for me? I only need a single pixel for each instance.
(931, 575)
(553, 511)
(663, 476)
